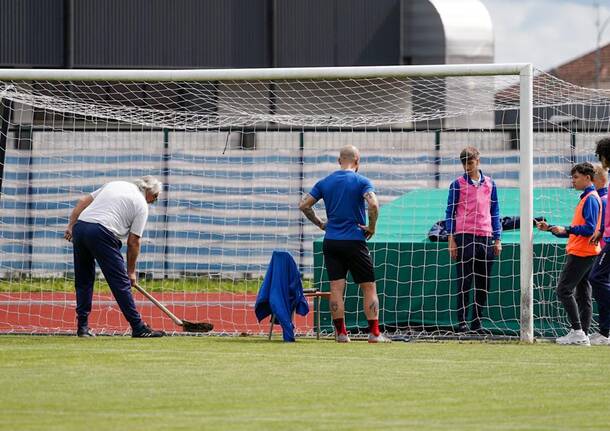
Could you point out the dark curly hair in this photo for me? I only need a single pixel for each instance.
(584, 168)
(602, 150)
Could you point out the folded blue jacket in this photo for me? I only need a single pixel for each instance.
(281, 293)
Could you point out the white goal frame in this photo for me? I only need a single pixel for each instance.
(523, 70)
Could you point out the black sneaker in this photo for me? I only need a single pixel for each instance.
(462, 327)
(84, 332)
(147, 332)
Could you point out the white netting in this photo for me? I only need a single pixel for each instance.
(237, 156)
(337, 103)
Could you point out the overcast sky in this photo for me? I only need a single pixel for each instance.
(546, 33)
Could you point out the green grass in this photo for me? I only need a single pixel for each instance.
(202, 284)
(183, 383)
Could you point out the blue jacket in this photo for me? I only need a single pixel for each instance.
(601, 193)
(281, 293)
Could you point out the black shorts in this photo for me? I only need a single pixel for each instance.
(341, 256)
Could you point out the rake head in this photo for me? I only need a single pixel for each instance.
(196, 327)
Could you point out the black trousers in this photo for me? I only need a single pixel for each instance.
(474, 263)
(574, 291)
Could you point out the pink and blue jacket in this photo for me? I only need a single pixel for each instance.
(605, 224)
(473, 210)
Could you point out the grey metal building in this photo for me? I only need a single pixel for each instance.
(242, 33)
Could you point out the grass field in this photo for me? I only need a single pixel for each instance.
(202, 284)
(182, 383)
(179, 285)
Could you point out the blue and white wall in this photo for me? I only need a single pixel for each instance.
(224, 213)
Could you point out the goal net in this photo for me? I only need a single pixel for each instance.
(236, 151)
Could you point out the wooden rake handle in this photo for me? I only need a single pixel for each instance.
(161, 307)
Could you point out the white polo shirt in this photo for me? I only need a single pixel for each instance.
(120, 207)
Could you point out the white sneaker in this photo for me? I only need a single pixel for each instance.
(342, 338)
(577, 337)
(379, 339)
(598, 339)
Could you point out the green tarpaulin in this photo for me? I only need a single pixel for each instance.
(416, 280)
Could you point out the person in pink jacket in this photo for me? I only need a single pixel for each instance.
(472, 220)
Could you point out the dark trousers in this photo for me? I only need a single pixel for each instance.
(599, 278)
(574, 291)
(474, 263)
(92, 242)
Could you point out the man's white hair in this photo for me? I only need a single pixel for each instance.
(150, 183)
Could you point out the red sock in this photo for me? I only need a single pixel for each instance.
(374, 327)
(340, 326)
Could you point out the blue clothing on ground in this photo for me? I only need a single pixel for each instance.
(281, 293)
(93, 242)
(343, 194)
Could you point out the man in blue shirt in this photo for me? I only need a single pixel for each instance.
(344, 193)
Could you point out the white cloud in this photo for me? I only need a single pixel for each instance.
(546, 33)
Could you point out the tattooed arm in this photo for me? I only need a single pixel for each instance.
(371, 200)
(306, 207)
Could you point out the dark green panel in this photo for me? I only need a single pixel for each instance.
(416, 280)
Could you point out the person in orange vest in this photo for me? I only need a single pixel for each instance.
(573, 289)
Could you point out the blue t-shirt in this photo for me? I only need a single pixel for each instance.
(342, 192)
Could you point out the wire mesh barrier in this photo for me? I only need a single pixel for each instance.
(237, 155)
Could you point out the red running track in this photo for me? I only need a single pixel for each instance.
(53, 312)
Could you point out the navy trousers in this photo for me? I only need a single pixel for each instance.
(599, 277)
(92, 242)
(474, 263)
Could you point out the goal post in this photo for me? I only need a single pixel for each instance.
(194, 128)
(526, 180)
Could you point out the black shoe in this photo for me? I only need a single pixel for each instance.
(462, 327)
(147, 332)
(475, 326)
(84, 332)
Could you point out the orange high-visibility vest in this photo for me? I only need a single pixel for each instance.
(578, 245)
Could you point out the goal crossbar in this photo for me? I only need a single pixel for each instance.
(314, 73)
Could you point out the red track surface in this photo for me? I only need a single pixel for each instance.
(54, 313)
